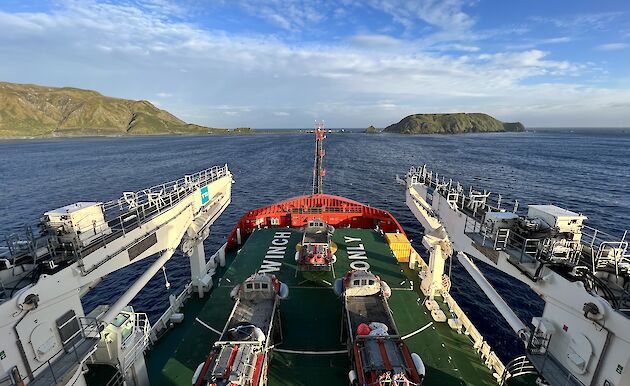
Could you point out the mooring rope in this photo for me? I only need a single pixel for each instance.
(208, 327)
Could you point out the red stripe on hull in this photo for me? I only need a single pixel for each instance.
(204, 370)
(358, 364)
(337, 211)
(258, 370)
(381, 348)
(228, 367)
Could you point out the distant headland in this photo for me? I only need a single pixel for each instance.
(452, 123)
(28, 110)
(32, 111)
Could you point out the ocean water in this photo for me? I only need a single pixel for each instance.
(586, 171)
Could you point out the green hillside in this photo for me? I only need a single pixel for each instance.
(28, 110)
(451, 124)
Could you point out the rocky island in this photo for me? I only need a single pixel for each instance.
(454, 123)
(28, 110)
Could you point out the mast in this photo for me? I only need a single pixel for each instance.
(318, 170)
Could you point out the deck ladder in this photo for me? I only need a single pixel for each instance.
(503, 235)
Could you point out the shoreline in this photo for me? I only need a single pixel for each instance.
(542, 130)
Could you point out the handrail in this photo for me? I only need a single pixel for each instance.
(7, 381)
(141, 326)
(493, 202)
(479, 343)
(145, 205)
(517, 367)
(196, 180)
(88, 327)
(125, 213)
(116, 379)
(534, 249)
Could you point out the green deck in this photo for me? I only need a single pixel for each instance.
(311, 321)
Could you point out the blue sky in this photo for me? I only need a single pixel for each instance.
(284, 63)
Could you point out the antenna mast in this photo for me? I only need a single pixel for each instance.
(318, 170)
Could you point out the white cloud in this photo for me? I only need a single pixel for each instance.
(560, 39)
(446, 18)
(164, 95)
(526, 44)
(584, 22)
(286, 14)
(457, 47)
(374, 40)
(226, 80)
(612, 46)
(527, 59)
(281, 114)
(445, 14)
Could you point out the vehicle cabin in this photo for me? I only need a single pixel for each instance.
(315, 253)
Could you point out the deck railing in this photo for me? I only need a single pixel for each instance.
(64, 361)
(162, 324)
(596, 248)
(121, 216)
(142, 327)
(482, 347)
(518, 366)
(478, 342)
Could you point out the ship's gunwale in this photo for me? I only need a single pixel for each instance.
(295, 212)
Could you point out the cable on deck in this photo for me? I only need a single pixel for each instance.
(207, 326)
(417, 331)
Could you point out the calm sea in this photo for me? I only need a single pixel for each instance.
(586, 171)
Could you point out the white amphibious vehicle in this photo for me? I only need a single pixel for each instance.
(581, 273)
(241, 355)
(46, 338)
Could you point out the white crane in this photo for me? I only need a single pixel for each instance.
(46, 337)
(582, 275)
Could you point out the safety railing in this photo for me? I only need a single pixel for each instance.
(63, 363)
(135, 208)
(117, 379)
(162, 324)
(155, 194)
(482, 347)
(517, 367)
(8, 380)
(472, 226)
(121, 216)
(142, 329)
(316, 210)
(474, 202)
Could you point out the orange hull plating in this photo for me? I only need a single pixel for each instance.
(337, 211)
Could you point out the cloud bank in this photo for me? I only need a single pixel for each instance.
(223, 78)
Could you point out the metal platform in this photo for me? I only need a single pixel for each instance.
(553, 372)
(61, 370)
